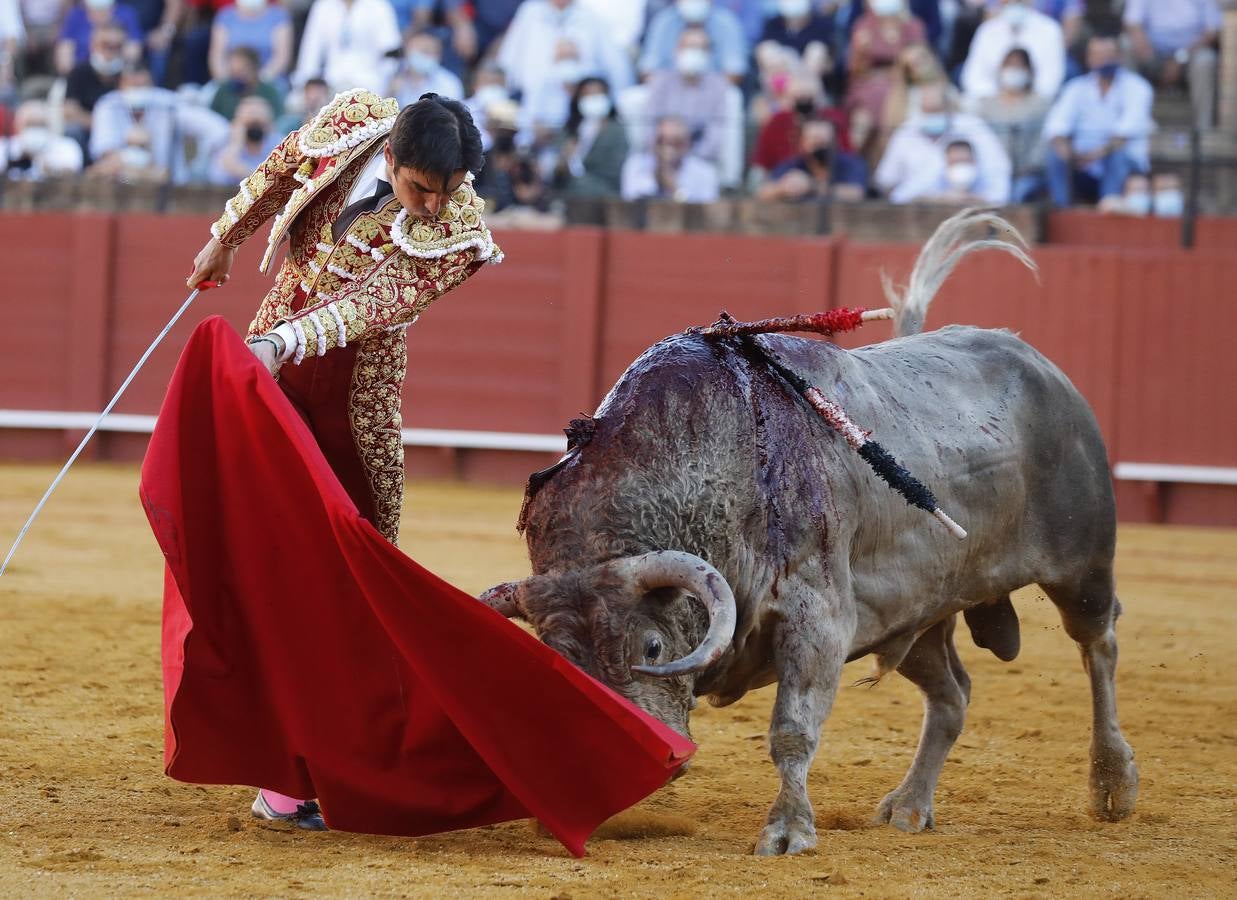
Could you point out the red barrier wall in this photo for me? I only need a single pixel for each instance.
(527, 345)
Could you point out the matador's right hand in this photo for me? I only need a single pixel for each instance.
(213, 263)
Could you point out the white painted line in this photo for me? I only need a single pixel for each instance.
(1124, 471)
(413, 437)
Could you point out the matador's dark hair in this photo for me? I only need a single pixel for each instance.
(437, 136)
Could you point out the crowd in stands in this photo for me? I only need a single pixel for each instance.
(955, 101)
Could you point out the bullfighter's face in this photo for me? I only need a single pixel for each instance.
(421, 193)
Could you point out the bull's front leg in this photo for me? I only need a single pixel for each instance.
(809, 651)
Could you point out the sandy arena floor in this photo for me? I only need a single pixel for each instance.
(86, 811)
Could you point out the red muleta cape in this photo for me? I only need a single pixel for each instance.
(304, 653)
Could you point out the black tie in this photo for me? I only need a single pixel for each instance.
(382, 192)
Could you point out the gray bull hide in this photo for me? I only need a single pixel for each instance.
(707, 534)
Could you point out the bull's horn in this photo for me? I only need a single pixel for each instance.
(674, 568)
(505, 598)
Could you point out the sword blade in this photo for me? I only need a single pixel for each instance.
(95, 427)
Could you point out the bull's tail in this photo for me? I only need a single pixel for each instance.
(963, 234)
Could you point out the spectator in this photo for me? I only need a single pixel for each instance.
(916, 162)
(89, 81)
(73, 47)
(541, 25)
(267, 28)
(142, 133)
(692, 93)
(1135, 199)
(917, 67)
(801, 28)
(421, 70)
(879, 38)
(489, 86)
(958, 182)
(492, 18)
(450, 21)
(158, 20)
(624, 21)
(729, 45)
(594, 147)
(34, 151)
(40, 19)
(777, 68)
(670, 171)
(347, 42)
(821, 169)
(1015, 25)
(544, 110)
(1016, 114)
(926, 11)
(302, 105)
(1176, 42)
(250, 141)
(242, 80)
(1098, 129)
(496, 180)
(778, 140)
(12, 37)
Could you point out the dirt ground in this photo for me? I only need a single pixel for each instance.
(86, 811)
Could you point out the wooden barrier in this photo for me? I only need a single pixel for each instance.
(525, 346)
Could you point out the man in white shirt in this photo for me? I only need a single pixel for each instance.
(347, 42)
(538, 28)
(915, 162)
(1172, 39)
(669, 171)
(1016, 25)
(1097, 131)
(421, 71)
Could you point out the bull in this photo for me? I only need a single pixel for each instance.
(707, 534)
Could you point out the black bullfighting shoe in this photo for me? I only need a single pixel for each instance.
(307, 816)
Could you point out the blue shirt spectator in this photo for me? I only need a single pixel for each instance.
(1173, 25)
(730, 46)
(80, 24)
(256, 25)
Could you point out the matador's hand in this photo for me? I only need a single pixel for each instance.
(265, 352)
(213, 263)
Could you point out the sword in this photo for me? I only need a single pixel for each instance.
(202, 286)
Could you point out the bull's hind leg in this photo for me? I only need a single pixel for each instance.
(933, 666)
(1089, 613)
(809, 650)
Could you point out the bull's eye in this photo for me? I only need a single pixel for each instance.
(652, 649)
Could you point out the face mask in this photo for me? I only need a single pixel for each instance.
(933, 124)
(595, 106)
(1015, 79)
(886, 7)
(100, 4)
(34, 139)
(691, 61)
(1016, 14)
(961, 176)
(1169, 203)
(421, 63)
(794, 9)
(136, 97)
(491, 93)
(1138, 204)
(106, 67)
(1108, 71)
(694, 10)
(255, 133)
(136, 157)
(805, 107)
(568, 71)
(250, 5)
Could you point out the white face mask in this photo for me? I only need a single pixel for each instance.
(1169, 203)
(136, 157)
(1016, 14)
(421, 63)
(961, 176)
(691, 61)
(1015, 79)
(105, 66)
(794, 9)
(568, 71)
(100, 4)
(490, 93)
(887, 7)
(250, 5)
(137, 97)
(694, 10)
(595, 106)
(1137, 203)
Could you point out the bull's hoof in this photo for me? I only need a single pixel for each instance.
(905, 813)
(786, 838)
(1114, 786)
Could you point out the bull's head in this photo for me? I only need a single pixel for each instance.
(632, 623)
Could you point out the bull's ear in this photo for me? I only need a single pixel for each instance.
(505, 598)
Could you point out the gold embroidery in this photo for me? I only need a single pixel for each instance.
(374, 414)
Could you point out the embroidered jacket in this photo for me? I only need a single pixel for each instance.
(387, 268)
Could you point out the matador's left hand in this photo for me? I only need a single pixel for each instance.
(265, 352)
